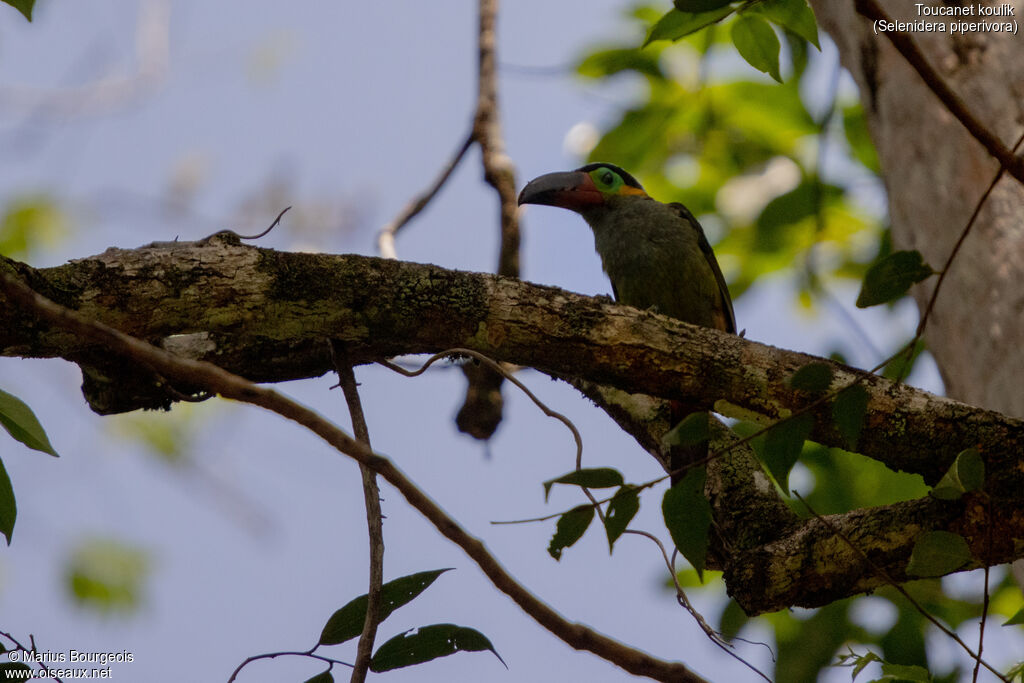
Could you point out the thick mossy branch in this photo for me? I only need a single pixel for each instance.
(836, 556)
(265, 315)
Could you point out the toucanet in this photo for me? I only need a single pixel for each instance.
(655, 254)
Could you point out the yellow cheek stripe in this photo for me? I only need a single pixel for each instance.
(629, 189)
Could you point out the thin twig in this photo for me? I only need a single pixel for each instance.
(884, 575)
(498, 368)
(271, 227)
(386, 236)
(31, 650)
(684, 602)
(957, 107)
(374, 523)
(494, 365)
(232, 386)
(288, 653)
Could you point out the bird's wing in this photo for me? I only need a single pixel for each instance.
(709, 256)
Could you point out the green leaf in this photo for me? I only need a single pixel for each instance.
(848, 410)
(23, 6)
(322, 677)
(700, 5)
(902, 672)
(29, 221)
(570, 528)
(813, 378)
(757, 43)
(900, 367)
(937, 553)
(621, 510)
(890, 278)
(427, 643)
(855, 127)
(787, 211)
(857, 662)
(8, 506)
(675, 24)
(21, 423)
(108, 575)
(691, 430)
(782, 446)
(613, 61)
(1017, 618)
(732, 620)
(967, 473)
(1017, 671)
(793, 15)
(687, 515)
(591, 478)
(347, 623)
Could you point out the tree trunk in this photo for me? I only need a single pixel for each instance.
(935, 172)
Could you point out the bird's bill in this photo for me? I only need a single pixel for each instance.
(572, 190)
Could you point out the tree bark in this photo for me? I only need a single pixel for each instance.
(935, 172)
(268, 316)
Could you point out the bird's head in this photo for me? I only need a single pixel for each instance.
(588, 187)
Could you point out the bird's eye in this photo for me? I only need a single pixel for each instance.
(607, 178)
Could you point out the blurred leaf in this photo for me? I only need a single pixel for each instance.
(691, 430)
(848, 410)
(621, 510)
(687, 516)
(570, 528)
(347, 622)
(899, 672)
(427, 643)
(858, 662)
(757, 43)
(21, 423)
(813, 378)
(794, 15)
(629, 142)
(107, 575)
(1016, 672)
(675, 24)
(29, 221)
(855, 127)
(732, 620)
(789, 209)
(169, 436)
(782, 446)
(901, 366)
(904, 642)
(797, 51)
(322, 677)
(591, 478)
(8, 506)
(890, 278)
(807, 645)
(967, 473)
(700, 5)
(1017, 618)
(617, 60)
(23, 6)
(937, 553)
